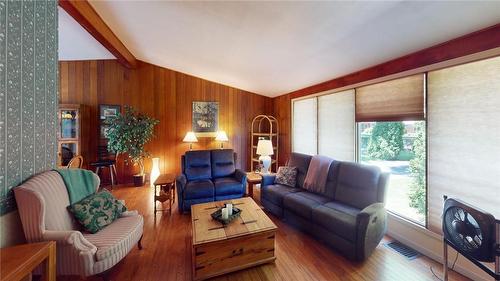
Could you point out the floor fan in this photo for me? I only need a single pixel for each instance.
(473, 233)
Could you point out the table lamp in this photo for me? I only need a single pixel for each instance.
(265, 149)
(222, 137)
(190, 137)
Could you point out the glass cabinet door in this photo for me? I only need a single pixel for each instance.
(69, 124)
(67, 151)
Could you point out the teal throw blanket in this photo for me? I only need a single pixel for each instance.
(80, 183)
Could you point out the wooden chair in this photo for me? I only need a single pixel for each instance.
(75, 162)
(105, 160)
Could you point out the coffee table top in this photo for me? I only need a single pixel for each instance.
(252, 220)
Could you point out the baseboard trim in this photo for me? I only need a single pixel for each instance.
(434, 254)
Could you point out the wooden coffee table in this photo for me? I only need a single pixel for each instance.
(247, 241)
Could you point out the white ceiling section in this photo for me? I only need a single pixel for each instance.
(272, 48)
(75, 43)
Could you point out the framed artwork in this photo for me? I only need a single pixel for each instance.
(107, 111)
(205, 119)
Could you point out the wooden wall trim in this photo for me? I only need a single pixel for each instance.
(86, 16)
(476, 42)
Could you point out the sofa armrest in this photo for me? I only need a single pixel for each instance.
(180, 182)
(240, 176)
(267, 180)
(70, 238)
(371, 228)
(131, 213)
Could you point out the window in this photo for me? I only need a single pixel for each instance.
(325, 125)
(305, 126)
(398, 148)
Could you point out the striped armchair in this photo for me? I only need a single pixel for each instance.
(42, 202)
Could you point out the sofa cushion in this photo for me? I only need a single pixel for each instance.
(286, 176)
(274, 193)
(358, 184)
(301, 161)
(222, 163)
(199, 189)
(226, 186)
(118, 238)
(337, 218)
(302, 203)
(197, 165)
(97, 210)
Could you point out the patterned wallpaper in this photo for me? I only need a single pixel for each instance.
(28, 92)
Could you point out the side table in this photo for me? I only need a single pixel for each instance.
(164, 189)
(252, 180)
(20, 260)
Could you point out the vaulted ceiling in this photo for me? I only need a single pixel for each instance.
(272, 48)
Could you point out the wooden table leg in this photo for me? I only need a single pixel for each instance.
(250, 189)
(50, 265)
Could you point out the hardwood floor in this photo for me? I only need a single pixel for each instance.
(166, 253)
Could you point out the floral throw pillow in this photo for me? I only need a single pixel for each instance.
(286, 176)
(96, 211)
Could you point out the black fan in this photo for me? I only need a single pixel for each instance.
(473, 233)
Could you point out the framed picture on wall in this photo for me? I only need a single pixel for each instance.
(106, 112)
(205, 118)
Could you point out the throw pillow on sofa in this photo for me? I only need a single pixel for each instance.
(96, 211)
(286, 176)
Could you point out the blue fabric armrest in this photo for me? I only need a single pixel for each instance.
(240, 176)
(267, 180)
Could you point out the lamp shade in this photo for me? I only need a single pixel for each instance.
(190, 137)
(265, 147)
(221, 136)
(155, 171)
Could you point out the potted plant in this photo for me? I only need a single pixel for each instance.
(128, 133)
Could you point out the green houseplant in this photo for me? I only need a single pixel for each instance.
(128, 133)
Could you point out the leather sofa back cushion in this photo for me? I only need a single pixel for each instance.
(222, 163)
(358, 184)
(301, 161)
(331, 181)
(197, 165)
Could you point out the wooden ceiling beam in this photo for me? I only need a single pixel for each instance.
(86, 16)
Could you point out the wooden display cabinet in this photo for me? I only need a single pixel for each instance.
(73, 132)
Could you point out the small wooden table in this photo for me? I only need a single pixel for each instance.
(252, 180)
(164, 187)
(245, 242)
(18, 261)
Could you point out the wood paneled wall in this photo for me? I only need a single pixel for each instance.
(166, 95)
(282, 111)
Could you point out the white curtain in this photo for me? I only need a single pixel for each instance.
(464, 137)
(304, 124)
(336, 123)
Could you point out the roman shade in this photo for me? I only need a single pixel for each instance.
(336, 126)
(395, 100)
(304, 130)
(464, 137)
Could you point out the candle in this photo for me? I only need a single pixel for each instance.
(225, 215)
(229, 207)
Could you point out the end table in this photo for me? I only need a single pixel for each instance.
(164, 189)
(252, 180)
(20, 260)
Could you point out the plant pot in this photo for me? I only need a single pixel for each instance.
(139, 180)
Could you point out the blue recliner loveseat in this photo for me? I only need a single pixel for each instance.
(209, 175)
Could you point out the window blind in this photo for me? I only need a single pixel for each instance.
(464, 137)
(304, 129)
(399, 99)
(336, 125)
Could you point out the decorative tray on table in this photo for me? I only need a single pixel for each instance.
(217, 215)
